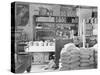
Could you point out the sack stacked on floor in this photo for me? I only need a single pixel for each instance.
(86, 58)
(73, 58)
(95, 47)
(96, 59)
(70, 57)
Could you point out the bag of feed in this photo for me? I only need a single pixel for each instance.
(84, 64)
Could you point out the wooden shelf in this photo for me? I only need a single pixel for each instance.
(67, 21)
(56, 22)
(44, 22)
(53, 16)
(44, 29)
(48, 37)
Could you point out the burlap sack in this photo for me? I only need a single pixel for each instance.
(84, 56)
(84, 64)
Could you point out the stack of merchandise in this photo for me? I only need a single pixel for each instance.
(96, 59)
(95, 47)
(73, 58)
(86, 58)
(70, 57)
(40, 46)
(38, 58)
(46, 57)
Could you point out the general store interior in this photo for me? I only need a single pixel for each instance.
(43, 30)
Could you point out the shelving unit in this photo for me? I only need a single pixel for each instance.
(52, 23)
(89, 36)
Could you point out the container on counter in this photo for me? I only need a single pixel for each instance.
(41, 43)
(45, 43)
(36, 43)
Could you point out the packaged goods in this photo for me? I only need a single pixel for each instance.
(84, 64)
(70, 57)
(77, 58)
(84, 56)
